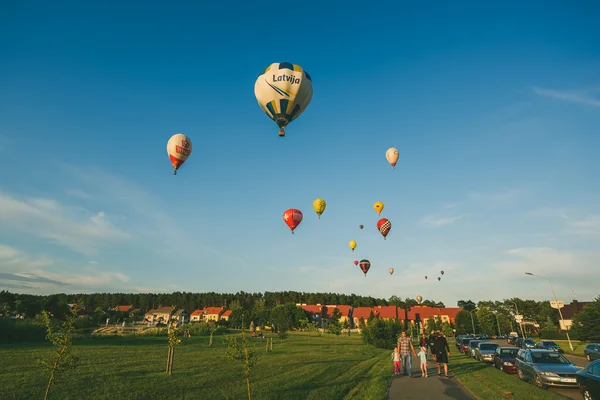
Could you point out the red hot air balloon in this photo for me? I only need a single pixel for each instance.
(442, 272)
(292, 218)
(365, 265)
(384, 225)
(361, 226)
(355, 262)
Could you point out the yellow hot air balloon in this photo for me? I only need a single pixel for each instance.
(283, 91)
(391, 271)
(419, 299)
(378, 206)
(352, 244)
(319, 205)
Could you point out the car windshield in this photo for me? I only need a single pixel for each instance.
(473, 343)
(488, 346)
(549, 358)
(509, 352)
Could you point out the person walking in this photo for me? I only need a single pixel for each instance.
(442, 352)
(423, 358)
(406, 347)
(396, 360)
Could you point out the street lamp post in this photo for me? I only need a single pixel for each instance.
(473, 322)
(559, 312)
(498, 322)
(520, 323)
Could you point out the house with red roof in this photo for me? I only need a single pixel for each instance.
(213, 313)
(363, 313)
(197, 315)
(313, 310)
(345, 311)
(226, 314)
(446, 314)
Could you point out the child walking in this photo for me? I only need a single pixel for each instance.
(423, 357)
(396, 359)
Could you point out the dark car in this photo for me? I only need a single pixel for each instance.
(592, 351)
(549, 345)
(504, 359)
(528, 344)
(588, 380)
(518, 342)
(546, 368)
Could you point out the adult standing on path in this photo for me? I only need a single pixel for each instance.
(405, 345)
(432, 343)
(442, 352)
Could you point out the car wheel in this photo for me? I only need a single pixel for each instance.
(588, 357)
(538, 381)
(521, 376)
(587, 395)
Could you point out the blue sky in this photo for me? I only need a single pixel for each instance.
(494, 108)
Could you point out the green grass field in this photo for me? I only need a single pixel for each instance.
(577, 347)
(303, 366)
(489, 383)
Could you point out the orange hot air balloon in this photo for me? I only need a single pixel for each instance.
(292, 218)
(384, 225)
(355, 262)
(364, 266)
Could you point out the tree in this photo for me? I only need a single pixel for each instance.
(281, 320)
(486, 320)
(334, 325)
(467, 305)
(242, 351)
(586, 323)
(463, 323)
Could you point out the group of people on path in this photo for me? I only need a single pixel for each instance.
(403, 352)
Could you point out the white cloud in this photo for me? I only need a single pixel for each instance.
(12, 259)
(436, 221)
(572, 97)
(72, 227)
(588, 226)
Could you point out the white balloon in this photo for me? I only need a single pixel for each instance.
(392, 155)
(179, 148)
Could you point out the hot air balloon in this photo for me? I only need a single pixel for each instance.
(352, 244)
(292, 218)
(439, 278)
(283, 91)
(392, 155)
(361, 226)
(364, 266)
(355, 262)
(419, 299)
(442, 272)
(384, 225)
(319, 206)
(425, 276)
(391, 271)
(179, 148)
(378, 206)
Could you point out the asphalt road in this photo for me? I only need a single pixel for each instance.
(579, 361)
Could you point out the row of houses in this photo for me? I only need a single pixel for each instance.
(356, 316)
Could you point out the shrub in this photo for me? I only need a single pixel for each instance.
(21, 330)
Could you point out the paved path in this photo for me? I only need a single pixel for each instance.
(432, 387)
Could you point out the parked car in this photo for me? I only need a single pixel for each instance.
(484, 351)
(549, 345)
(588, 380)
(592, 351)
(528, 344)
(504, 359)
(472, 346)
(464, 345)
(459, 339)
(546, 368)
(518, 342)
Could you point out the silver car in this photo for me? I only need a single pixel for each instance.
(546, 368)
(484, 351)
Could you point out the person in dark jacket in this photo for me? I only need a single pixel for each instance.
(431, 344)
(442, 352)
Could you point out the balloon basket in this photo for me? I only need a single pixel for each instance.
(175, 172)
(281, 133)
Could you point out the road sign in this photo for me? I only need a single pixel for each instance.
(557, 304)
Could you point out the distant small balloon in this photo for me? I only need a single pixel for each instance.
(352, 244)
(442, 272)
(355, 262)
(391, 271)
(361, 226)
(419, 299)
(425, 276)
(439, 278)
